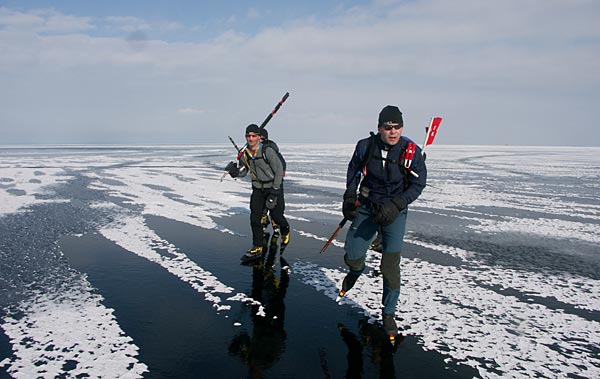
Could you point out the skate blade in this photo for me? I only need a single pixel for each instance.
(340, 296)
(392, 339)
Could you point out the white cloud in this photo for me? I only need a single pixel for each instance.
(406, 40)
(465, 59)
(44, 20)
(10, 18)
(134, 24)
(56, 22)
(127, 24)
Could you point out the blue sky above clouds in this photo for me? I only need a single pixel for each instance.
(521, 72)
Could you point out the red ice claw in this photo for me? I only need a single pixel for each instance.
(408, 156)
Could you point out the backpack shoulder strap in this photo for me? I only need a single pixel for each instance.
(262, 152)
(368, 153)
(272, 145)
(266, 145)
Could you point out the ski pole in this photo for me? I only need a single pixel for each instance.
(269, 117)
(237, 149)
(335, 233)
(234, 145)
(364, 191)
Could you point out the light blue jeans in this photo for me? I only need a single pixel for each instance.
(359, 238)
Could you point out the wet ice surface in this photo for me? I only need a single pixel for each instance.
(499, 274)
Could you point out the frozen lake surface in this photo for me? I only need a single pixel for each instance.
(124, 262)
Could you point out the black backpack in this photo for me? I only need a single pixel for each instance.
(371, 146)
(273, 145)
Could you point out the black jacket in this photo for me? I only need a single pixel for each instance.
(385, 183)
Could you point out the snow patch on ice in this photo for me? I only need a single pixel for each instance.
(20, 187)
(451, 312)
(193, 198)
(579, 291)
(551, 228)
(70, 333)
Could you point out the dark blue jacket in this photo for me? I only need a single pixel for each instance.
(386, 183)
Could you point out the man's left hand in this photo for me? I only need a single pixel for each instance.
(388, 212)
(272, 198)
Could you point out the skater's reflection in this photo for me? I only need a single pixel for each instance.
(267, 342)
(373, 338)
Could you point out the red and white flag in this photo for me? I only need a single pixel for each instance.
(431, 131)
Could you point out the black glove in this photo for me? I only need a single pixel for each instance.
(387, 213)
(350, 206)
(232, 169)
(272, 198)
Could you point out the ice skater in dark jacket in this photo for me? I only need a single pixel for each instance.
(386, 173)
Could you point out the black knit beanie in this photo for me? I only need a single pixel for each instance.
(252, 128)
(391, 114)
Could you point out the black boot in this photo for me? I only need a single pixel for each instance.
(349, 281)
(347, 284)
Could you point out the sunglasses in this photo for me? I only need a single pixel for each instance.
(389, 127)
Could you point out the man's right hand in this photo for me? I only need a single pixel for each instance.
(232, 169)
(350, 205)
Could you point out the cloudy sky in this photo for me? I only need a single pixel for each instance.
(523, 72)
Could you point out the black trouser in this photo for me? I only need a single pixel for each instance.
(257, 205)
